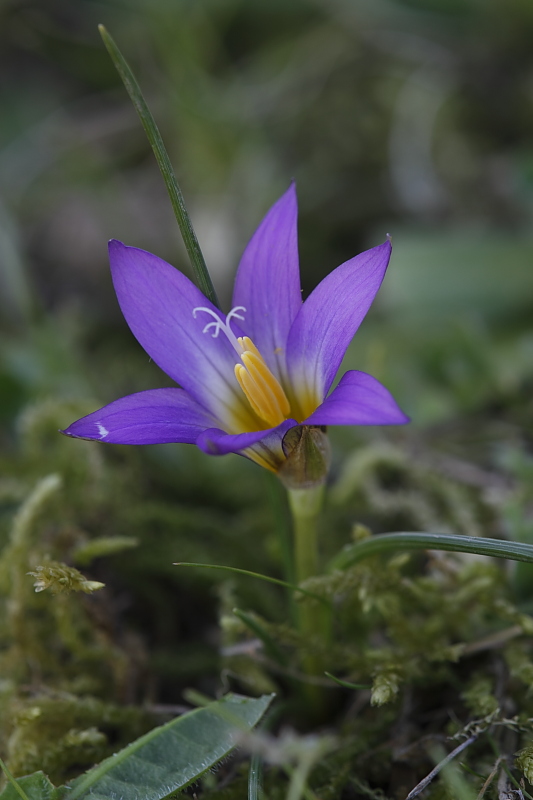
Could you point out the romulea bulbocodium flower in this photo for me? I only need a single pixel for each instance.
(249, 377)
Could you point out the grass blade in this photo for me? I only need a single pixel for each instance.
(270, 645)
(36, 786)
(250, 574)
(255, 778)
(199, 266)
(347, 684)
(497, 548)
(12, 782)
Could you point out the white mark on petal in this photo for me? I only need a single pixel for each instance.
(101, 430)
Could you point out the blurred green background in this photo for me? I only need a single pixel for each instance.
(407, 117)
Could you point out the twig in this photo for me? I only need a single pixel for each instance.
(504, 784)
(435, 771)
(489, 780)
(493, 641)
(164, 710)
(502, 781)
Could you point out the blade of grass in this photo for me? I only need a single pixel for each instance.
(254, 575)
(199, 266)
(14, 783)
(270, 645)
(347, 684)
(255, 778)
(497, 548)
(278, 504)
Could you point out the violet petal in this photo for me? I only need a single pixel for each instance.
(158, 303)
(328, 320)
(156, 416)
(264, 447)
(359, 399)
(268, 282)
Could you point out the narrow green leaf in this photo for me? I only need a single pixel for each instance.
(347, 684)
(497, 548)
(271, 646)
(278, 503)
(36, 786)
(196, 698)
(255, 778)
(267, 578)
(174, 755)
(102, 546)
(154, 137)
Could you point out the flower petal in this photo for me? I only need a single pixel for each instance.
(154, 417)
(359, 399)
(158, 303)
(264, 447)
(327, 322)
(268, 282)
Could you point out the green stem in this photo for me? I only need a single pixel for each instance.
(14, 783)
(314, 621)
(305, 505)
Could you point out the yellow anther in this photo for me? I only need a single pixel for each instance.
(260, 386)
(247, 345)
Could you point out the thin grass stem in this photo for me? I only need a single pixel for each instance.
(14, 783)
(196, 257)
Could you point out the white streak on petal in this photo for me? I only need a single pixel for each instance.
(101, 430)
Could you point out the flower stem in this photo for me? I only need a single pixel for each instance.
(313, 619)
(305, 505)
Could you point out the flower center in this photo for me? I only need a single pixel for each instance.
(261, 388)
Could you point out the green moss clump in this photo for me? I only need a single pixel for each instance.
(63, 734)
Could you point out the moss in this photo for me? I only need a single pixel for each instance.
(63, 734)
(524, 762)
(77, 670)
(479, 697)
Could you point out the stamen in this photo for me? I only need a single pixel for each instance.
(268, 383)
(261, 387)
(245, 343)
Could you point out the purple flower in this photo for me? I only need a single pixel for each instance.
(266, 367)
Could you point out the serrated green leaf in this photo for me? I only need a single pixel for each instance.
(35, 787)
(174, 755)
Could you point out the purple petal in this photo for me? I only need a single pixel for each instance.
(154, 417)
(268, 282)
(264, 447)
(359, 399)
(328, 321)
(158, 302)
